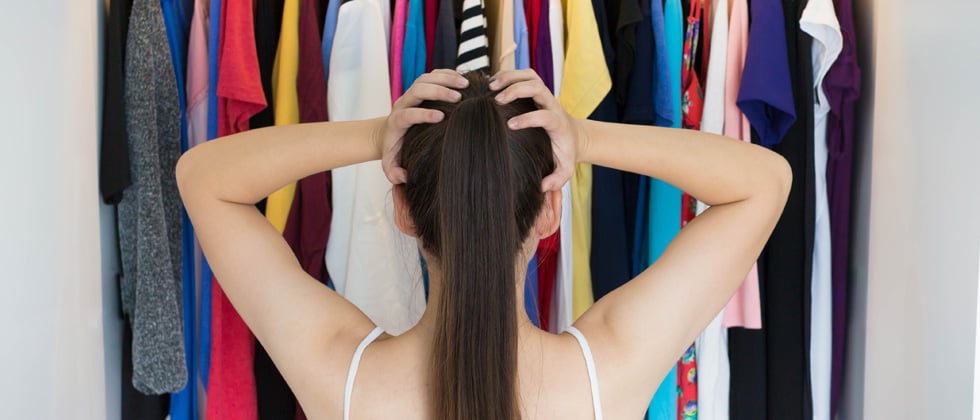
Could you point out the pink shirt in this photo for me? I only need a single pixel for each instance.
(744, 309)
(197, 76)
(397, 41)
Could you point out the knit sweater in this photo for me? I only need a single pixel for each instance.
(149, 212)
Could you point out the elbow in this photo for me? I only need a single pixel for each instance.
(184, 172)
(782, 176)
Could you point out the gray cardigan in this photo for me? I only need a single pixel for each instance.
(150, 212)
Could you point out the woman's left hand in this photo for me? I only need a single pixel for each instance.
(439, 85)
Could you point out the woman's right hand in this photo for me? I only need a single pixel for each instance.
(568, 137)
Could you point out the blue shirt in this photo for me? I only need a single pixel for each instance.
(531, 292)
(662, 90)
(413, 51)
(766, 93)
(204, 362)
(177, 16)
(522, 57)
(329, 28)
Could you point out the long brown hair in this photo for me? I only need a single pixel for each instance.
(473, 192)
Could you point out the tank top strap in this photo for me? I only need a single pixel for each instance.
(590, 364)
(352, 371)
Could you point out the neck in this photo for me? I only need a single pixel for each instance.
(426, 324)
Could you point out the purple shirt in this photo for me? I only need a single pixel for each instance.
(843, 87)
(542, 50)
(766, 95)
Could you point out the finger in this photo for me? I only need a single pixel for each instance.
(553, 182)
(421, 91)
(543, 118)
(397, 175)
(506, 78)
(534, 89)
(411, 116)
(444, 77)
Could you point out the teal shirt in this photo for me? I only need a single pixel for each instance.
(665, 199)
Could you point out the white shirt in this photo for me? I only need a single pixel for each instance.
(561, 306)
(712, 344)
(820, 21)
(371, 262)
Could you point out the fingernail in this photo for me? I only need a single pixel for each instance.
(456, 95)
(512, 123)
(462, 82)
(501, 97)
(494, 84)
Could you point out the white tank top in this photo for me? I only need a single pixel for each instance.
(373, 335)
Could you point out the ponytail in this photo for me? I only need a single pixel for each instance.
(473, 191)
(475, 340)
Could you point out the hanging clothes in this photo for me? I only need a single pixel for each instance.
(390, 294)
(308, 225)
(207, 277)
(522, 48)
(789, 253)
(232, 392)
(611, 227)
(473, 43)
(431, 14)
(149, 213)
(274, 398)
(396, 53)
(820, 22)
(114, 162)
(746, 347)
(444, 52)
(843, 87)
(627, 15)
(765, 95)
(585, 82)
(541, 54)
(197, 76)
(532, 13)
(177, 15)
(712, 344)
(665, 199)
(197, 132)
(548, 248)
(329, 27)
(692, 104)
(413, 49)
(560, 310)
(502, 35)
(743, 310)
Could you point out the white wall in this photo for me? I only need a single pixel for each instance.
(923, 214)
(51, 315)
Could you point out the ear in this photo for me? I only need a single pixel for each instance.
(549, 219)
(403, 218)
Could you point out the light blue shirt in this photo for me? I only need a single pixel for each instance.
(522, 57)
(329, 27)
(665, 199)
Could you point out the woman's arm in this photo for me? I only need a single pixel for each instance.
(221, 180)
(639, 330)
(295, 317)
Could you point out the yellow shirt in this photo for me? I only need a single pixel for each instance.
(584, 83)
(286, 103)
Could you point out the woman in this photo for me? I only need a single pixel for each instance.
(477, 166)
